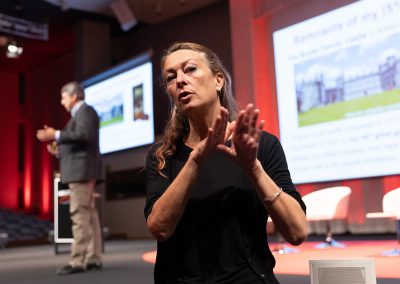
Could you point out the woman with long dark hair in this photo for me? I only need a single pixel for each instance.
(214, 179)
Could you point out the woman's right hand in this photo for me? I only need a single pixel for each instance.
(216, 135)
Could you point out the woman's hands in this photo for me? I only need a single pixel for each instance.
(216, 135)
(245, 133)
(245, 138)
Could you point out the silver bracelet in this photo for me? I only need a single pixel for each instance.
(273, 197)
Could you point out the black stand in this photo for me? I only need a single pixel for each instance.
(62, 222)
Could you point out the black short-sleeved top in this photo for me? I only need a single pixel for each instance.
(221, 237)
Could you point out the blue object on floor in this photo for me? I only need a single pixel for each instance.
(392, 252)
(330, 244)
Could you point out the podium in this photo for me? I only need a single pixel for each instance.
(62, 222)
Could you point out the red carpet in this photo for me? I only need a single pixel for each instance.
(297, 263)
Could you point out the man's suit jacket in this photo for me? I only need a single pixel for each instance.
(80, 159)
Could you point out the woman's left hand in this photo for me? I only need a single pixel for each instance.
(245, 138)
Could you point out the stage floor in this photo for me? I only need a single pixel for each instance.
(123, 263)
(298, 263)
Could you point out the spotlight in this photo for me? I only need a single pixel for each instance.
(13, 50)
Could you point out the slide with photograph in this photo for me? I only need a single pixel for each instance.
(124, 103)
(111, 110)
(338, 89)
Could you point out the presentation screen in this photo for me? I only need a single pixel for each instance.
(123, 99)
(338, 91)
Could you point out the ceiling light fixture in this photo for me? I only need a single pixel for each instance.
(13, 49)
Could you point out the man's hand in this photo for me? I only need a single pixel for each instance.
(53, 149)
(46, 134)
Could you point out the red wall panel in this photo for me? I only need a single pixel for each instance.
(43, 107)
(9, 117)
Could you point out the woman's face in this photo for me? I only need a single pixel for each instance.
(189, 80)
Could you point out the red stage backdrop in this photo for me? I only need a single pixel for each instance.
(43, 107)
(9, 116)
(28, 186)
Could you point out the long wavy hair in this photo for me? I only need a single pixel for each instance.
(178, 124)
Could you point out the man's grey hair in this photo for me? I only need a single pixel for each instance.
(73, 88)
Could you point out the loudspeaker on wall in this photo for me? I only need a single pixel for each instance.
(124, 14)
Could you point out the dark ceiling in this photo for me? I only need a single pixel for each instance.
(61, 25)
(61, 37)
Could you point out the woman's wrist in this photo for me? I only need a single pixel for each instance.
(194, 159)
(255, 170)
(266, 188)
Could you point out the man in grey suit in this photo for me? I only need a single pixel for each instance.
(77, 146)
